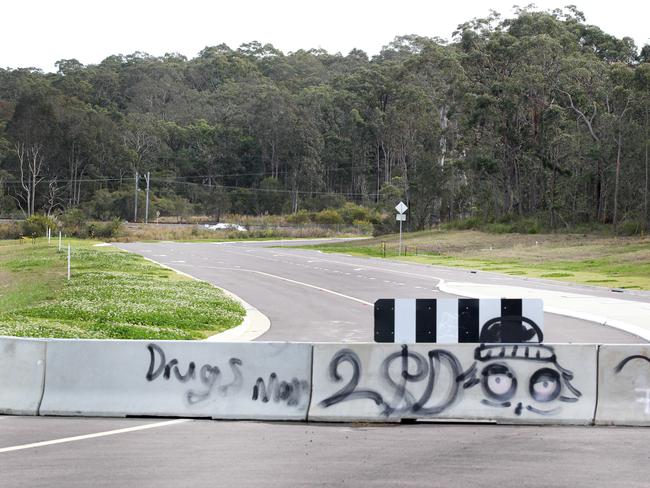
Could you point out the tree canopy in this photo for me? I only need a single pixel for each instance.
(541, 115)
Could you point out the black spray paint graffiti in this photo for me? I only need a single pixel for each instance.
(498, 380)
(209, 376)
(403, 401)
(643, 393)
(292, 392)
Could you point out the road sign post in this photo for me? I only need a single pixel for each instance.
(401, 217)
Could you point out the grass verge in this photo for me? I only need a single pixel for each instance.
(112, 295)
(622, 262)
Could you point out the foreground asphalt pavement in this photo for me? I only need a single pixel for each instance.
(310, 296)
(251, 454)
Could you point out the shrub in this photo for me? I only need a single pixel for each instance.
(526, 226)
(74, 223)
(105, 229)
(497, 228)
(300, 217)
(364, 226)
(10, 231)
(464, 224)
(323, 202)
(630, 228)
(384, 226)
(328, 217)
(37, 225)
(351, 212)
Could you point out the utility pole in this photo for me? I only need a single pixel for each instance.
(146, 205)
(135, 207)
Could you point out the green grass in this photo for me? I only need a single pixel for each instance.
(112, 294)
(622, 262)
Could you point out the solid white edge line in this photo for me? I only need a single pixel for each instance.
(92, 436)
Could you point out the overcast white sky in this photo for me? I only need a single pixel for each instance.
(36, 33)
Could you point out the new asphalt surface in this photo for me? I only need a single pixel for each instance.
(310, 296)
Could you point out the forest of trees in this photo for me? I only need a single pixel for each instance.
(541, 116)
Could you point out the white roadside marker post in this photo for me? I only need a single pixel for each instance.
(59, 241)
(49, 235)
(68, 262)
(401, 208)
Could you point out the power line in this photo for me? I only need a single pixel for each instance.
(216, 175)
(269, 190)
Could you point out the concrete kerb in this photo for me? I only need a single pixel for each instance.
(255, 323)
(454, 288)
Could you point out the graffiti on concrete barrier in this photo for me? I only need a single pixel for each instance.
(643, 393)
(210, 377)
(413, 368)
(292, 392)
(500, 384)
(441, 377)
(619, 367)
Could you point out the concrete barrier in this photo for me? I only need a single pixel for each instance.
(268, 381)
(22, 370)
(536, 384)
(623, 385)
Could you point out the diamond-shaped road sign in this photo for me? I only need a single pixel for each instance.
(401, 208)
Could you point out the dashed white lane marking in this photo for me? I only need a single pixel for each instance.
(357, 265)
(92, 436)
(178, 261)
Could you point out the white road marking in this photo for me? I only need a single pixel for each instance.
(92, 436)
(362, 266)
(308, 285)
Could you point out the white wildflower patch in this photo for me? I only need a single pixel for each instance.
(119, 295)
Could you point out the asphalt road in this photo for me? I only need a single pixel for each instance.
(315, 297)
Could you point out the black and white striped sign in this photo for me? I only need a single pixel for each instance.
(454, 320)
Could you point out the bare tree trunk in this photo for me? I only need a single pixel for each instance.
(645, 190)
(616, 178)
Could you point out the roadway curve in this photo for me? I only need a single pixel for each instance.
(315, 297)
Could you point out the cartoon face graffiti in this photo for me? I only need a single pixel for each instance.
(526, 376)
